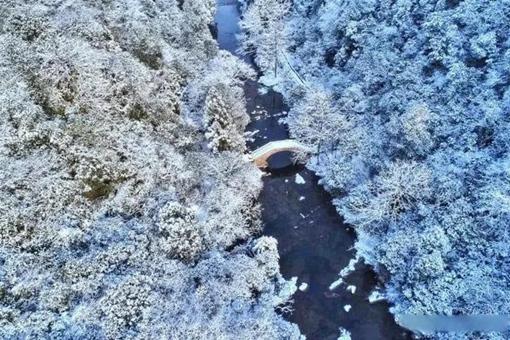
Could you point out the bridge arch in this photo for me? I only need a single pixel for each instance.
(261, 155)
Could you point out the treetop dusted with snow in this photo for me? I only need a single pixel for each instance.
(409, 114)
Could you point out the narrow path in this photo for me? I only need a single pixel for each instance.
(295, 74)
(313, 242)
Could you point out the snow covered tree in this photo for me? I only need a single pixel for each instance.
(222, 130)
(424, 84)
(263, 28)
(125, 305)
(316, 122)
(417, 128)
(395, 191)
(413, 129)
(115, 221)
(181, 236)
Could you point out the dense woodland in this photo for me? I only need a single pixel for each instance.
(126, 207)
(407, 105)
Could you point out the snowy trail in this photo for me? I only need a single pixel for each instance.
(297, 77)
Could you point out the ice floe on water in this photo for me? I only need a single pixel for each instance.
(299, 179)
(303, 287)
(351, 289)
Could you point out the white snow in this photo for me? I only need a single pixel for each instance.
(262, 90)
(344, 272)
(269, 80)
(302, 198)
(375, 296)
(347, 308)
(300, 179)
(288, 288)
(344, 335)
(303, 287)
(350, 267)
(351, 289)
(249, 135)
(335, 284)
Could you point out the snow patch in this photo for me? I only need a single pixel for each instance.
(335, 284)
(299, 179)
(344, 272)
(375, 296)
(344, 334)
(347, 308)
(262, 90)
(269, 80)
(303, 287)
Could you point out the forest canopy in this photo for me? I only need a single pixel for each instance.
(123, 189)
(412, 139)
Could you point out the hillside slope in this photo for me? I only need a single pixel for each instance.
(408, 107)
(124, 194)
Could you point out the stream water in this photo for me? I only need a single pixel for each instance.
(313, 242)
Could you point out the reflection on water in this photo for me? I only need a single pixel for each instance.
(313, 242)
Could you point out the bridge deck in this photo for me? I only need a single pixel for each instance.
(286, 144)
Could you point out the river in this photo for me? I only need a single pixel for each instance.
(313, 242)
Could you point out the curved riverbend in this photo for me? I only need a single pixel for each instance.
(313, 242)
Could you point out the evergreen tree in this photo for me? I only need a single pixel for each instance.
(264, 32)
(221, 128)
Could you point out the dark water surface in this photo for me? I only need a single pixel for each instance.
(313, 242)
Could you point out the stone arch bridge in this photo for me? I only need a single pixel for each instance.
(261, 155)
